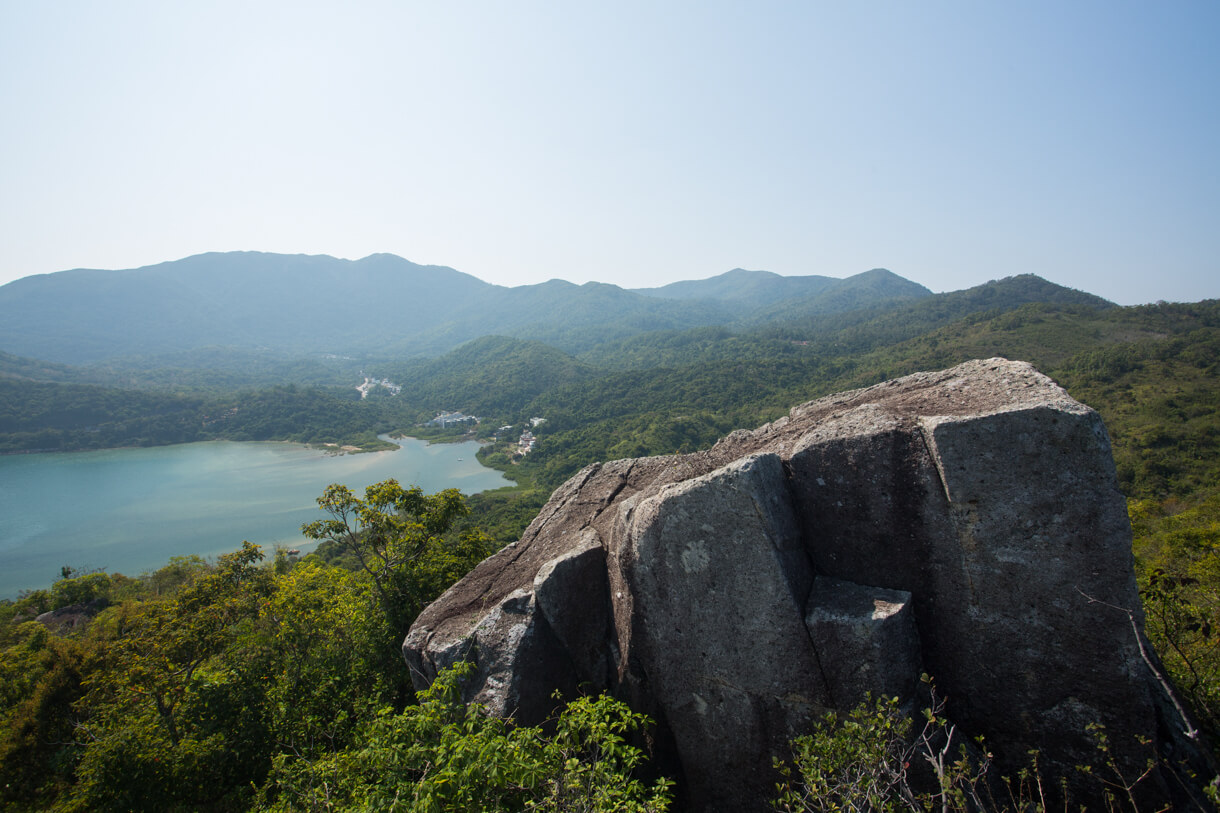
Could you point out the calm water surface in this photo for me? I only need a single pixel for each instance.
(129, 510)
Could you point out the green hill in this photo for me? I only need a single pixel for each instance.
(262, 687)
(494, 375)
(748, 289)
(288, 307)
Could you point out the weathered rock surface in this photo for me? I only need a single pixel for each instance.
(873, 636)
(71, 618)
(718, 579)
(955, 522)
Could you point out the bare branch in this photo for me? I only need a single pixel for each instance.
(1190, 731)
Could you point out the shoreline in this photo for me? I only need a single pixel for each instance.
(180, 499)
(332, 450)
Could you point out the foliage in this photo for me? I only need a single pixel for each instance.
(493, 375)
(197, 684)
(181, 694)
(867, 760)
(445, 755)
(1179, 568)
(160, 728)
(41, 675)
(89, 587)
(396, 535)
(42, 416)
(503, 515)
(859, 763)
(321, 686)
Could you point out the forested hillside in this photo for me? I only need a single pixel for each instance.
(45, 417)
(381, 306)
(664, 391)
(1151, 372)
(494, 375)
(758, 295)
(1147, 369)
(205, 685)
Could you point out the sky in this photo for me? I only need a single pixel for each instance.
(636, 143)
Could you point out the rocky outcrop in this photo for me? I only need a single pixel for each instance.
(71, 618)
(955, 523)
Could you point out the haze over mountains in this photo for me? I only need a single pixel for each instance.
(296, 305)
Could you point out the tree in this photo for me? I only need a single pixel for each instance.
(173, 716)
(445, 755)
(327, 659)
(388, 532)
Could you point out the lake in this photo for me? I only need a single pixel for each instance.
(130, 510)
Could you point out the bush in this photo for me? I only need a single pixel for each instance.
(868, 761)
(444, 755)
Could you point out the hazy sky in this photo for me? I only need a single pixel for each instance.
(628, 142)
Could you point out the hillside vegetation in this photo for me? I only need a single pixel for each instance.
(296, 305)
(206, 686)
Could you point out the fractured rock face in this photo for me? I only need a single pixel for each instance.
(871, 633)
(718, 579)
(954, 522)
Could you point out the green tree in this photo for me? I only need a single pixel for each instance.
(389, 532)
(444, 755)
(40, 684)
(327, 658)
(90, 587)
(172, 718)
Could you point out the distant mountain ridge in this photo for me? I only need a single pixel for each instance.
(293, 305)
(755, 288)
(277, 303)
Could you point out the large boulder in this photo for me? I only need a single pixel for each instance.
(965, 523)
(718, 580)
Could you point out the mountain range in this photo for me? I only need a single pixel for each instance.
(287, 306)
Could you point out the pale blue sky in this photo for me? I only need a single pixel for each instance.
(631, 142)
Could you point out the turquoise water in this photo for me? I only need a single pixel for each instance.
(129, 510)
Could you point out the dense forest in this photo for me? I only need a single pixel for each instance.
(206, 685)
